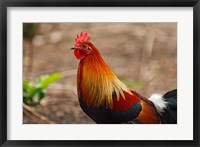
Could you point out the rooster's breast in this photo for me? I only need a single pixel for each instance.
(100, 115)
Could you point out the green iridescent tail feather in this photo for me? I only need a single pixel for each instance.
(169, 116)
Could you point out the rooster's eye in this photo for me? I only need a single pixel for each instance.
(84, 45)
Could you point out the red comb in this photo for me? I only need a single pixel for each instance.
(81, 38)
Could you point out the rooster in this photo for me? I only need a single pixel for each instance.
(107, 100)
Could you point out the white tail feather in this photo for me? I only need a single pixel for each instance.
(159, 102)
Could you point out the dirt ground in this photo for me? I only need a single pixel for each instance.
(140, 52)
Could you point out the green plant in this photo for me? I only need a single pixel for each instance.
(34, 91)
(130, 83)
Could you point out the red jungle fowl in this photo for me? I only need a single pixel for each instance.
(105, 99)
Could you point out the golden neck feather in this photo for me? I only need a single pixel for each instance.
(97, 82)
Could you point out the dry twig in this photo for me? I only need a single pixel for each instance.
(29, 111)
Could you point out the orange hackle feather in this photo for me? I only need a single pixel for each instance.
(97, 82)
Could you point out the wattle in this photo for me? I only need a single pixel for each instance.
(79, 55)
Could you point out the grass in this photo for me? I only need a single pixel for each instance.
(132, 84)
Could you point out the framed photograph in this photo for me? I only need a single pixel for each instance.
(122, 73)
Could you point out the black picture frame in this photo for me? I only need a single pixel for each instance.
(4, 4)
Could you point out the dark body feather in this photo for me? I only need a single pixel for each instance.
(143, 112)
(137, 113)
(103, 115)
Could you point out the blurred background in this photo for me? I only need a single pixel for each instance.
(142, 55)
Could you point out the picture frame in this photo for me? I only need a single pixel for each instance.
(195, 4)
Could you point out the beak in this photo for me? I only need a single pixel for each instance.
(73, 48)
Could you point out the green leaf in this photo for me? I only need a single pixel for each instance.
(26, 86)
(25, 100)
(31, 90)
(46, 80)
(35, 91)
(41, 95)
(27, 89)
